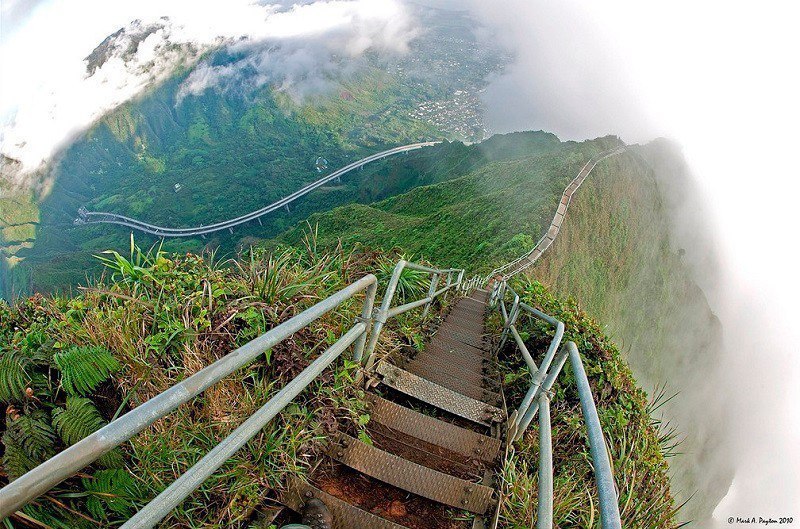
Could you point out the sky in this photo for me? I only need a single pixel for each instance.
(718, 77)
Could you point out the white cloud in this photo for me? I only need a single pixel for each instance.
(47, 96)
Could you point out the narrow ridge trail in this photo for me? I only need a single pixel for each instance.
(434, 435)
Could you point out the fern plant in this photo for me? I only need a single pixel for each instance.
(84, 368)
(78, 419)
(14, 376)
(29, 440)
(112, 491)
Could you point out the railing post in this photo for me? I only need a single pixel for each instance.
(366, 317)
(431, 291)
(544, 510)
(526, 415)
(512, 319)
(527, 411)
(382, 312)
(609, 507)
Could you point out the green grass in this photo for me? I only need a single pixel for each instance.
(68, 365)
(484, 208)
(637, 443)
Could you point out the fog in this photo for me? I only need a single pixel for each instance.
(719, 78)
(49, 96)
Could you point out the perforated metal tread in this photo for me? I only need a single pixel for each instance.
(473, 374)
(470, 388)
(449, 344)
(466, 337)
(431, 430)
(345, 515)
(411, 477)
(439, 396)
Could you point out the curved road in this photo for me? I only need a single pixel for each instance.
(94, 217)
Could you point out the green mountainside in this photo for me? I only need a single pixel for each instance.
(181, 160)
(490, 209)
(617, 255)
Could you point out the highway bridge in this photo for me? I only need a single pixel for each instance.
(95, 217)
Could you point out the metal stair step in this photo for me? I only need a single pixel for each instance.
(472, 373)
(443, 398)
(447, 343)
(409, 476)
(474, 340)
(469, 388)
(345, 515)
(431, 430)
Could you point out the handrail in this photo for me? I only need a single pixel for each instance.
(526, 260)
(93, 217)
(386, 311)
(537, 400)
(367, 327)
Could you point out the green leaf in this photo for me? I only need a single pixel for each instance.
(80, 419)
(14, 377)
(84, 368)
(28, 440)
(112, 491)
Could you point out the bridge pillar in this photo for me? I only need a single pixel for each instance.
(259, 221)
(287, 207)
(230, 230)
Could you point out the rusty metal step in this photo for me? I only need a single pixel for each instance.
(439, 396)
(468, 311)
(451, 349)
(446, 342)
(472, 339)
(414, 478)
(345, 516)
(473, 373)
(455, 383)
(431, 430)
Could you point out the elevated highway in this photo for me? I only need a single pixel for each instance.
(96, 217)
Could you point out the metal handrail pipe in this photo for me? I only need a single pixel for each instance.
(400, 309)
(431, 293)
(386, 311)
(544, 509)
(65, 464)
(539, 314)
(532, 394)
(441, 291)
(546, 386)
(172, 496)
(526, 355)
(603, 476)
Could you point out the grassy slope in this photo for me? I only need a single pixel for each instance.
(165, 318)
(617, 255)
(476, 220)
